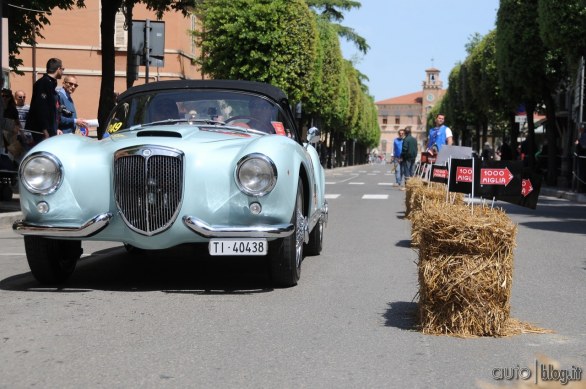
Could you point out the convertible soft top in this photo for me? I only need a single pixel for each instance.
(247, 86)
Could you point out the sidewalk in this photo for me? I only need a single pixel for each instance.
(563, 194)
(10, 211)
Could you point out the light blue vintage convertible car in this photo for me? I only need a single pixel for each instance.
(189, 161)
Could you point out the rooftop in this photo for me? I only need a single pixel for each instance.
(411, 98)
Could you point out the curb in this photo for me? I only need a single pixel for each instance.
(8, 218)
(561, 194)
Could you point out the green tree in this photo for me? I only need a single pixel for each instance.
(562, 24)
(562, 27)
(320, 104)
(520, 56)
(332, 10)
(485, 94)
(529, 72)
(273, 41)
(453, 105)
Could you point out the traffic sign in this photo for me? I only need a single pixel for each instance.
(526, 187)
(520, 118)
(495, 176)
(464, 174)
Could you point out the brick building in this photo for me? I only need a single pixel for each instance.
(74, 37)
(409, 111)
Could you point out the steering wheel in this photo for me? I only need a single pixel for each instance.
(254, 122)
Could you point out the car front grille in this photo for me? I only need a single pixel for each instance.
(148, 184)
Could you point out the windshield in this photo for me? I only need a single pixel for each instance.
(199, 107)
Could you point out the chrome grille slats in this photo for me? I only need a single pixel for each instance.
(148, 184)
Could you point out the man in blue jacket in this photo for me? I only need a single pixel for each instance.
(397, 149)
(68, 119)
(439, 135)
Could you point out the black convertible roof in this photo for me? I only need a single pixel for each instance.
(247, 86)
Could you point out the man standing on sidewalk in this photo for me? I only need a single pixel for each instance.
(21, 107)
(408, 155)
(68, 120)
(397, 149)
(43, 115)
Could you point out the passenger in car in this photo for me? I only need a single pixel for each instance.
(263, 113)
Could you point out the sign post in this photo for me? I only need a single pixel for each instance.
(148, 43)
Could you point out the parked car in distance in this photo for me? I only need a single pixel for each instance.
(215, 162)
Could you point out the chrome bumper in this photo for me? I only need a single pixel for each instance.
(207, 231)
(89, 228)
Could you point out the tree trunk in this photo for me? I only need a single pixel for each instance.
(550, 132)
(530, 157)
(131, 60)
(514, 134)
(107, 98)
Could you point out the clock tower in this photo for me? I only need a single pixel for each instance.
(432, 90)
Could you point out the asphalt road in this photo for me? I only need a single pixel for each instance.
(180, 319)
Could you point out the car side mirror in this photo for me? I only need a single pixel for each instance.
(313, 135)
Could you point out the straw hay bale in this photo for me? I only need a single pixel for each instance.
(465, 269)
(423, 197)
(419, 191)
(410, 186)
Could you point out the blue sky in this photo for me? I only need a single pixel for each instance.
(404, 36)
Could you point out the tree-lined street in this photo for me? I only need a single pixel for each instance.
(178, 318)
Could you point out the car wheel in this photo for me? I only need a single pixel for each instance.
(316, 237)
(52, 261)
(285, 255)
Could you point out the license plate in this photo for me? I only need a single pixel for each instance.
(238, 247)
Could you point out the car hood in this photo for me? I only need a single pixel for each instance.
(200, 134)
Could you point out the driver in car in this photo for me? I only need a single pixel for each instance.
(260, 118)
(164, 109)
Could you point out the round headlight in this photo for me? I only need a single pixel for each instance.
(256, 175)
(41, 173)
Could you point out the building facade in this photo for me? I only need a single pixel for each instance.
(409, 111)
(74, 37)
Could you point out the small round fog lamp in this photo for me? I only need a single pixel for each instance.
(255, 208)
(42, 207)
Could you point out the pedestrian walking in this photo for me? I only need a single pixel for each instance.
(408, 155)
(397, 149)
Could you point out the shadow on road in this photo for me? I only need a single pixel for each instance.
(556, 215)
(404, 243)
(402, 315)
(184, 269)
